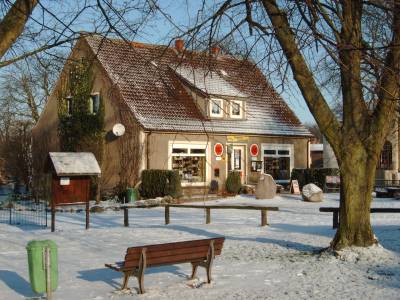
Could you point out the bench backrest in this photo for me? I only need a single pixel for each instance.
(172, 253)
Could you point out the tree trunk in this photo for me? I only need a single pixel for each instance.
(357, 170)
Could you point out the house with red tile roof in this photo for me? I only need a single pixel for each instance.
(203, 114)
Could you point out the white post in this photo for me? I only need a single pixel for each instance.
(48, 273)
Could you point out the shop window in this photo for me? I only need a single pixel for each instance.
(190, 162)
(277, 161)
(216, 108)
(269, 152)
(236, 110)
(385, 160)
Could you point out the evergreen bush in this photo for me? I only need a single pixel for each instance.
(160, 183)
(233, 182)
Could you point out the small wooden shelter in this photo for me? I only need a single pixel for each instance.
(71, 180)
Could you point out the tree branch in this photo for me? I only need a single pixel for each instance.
(14, 22)
(324, 116)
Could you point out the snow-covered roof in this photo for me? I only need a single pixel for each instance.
(74, 163)
(157, 96)
(209, 82)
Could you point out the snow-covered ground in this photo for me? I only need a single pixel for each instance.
(280, 261)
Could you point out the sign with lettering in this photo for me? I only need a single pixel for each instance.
(294, 187)
(237, 138)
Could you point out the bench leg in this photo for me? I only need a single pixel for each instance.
(141, 283)
(210, 260)
(264, 220)
(167, 220)
(335, 219)
(125, 281)
(208, 215)
(194, 270)
(142, 269)
(126, 217)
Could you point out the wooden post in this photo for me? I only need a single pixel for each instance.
(335, 219)
(126, 217)
(264, 217)
(166, 214)
(87, 214)
(53, 216)
(208, 215)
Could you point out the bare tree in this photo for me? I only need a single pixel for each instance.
(305, 39)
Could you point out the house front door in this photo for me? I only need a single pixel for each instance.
(238, 161)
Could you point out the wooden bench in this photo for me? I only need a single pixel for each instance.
(207, 208)
(335, 211)
(197, 252)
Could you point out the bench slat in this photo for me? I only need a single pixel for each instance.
(173, 259)
(169, 252)
(175, 245)
(133, 261)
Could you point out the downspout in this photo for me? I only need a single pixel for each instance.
(147, 150)
(308, 153)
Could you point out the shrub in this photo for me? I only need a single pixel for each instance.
(316, 176)
(160, 183)
(233, 182)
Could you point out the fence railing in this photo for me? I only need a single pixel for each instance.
(24, 212)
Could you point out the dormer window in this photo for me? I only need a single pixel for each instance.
(94, 103)
(216, 108)
(236, 109)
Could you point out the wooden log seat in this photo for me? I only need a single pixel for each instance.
(335, 211)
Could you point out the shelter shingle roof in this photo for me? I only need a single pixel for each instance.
(154, 91)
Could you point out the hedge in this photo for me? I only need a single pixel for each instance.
(233, 182)
(160, 183)
(316, 176)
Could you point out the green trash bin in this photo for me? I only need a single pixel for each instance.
(36, 261)
(131, 195)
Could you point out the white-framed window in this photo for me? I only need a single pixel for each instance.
(278, 160)
(216, 107)
(236, 109)
(190, 160)
(68, 100)
(94, 103)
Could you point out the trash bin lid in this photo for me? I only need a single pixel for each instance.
(41, 244)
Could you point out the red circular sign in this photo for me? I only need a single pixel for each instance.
(218, 149)
(254, 149)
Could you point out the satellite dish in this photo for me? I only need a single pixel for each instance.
(118, 129)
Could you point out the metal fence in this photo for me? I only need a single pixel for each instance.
(24, 212)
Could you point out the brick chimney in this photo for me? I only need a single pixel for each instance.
(215, 50)
(179, 45)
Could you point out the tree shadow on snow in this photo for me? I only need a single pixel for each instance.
(114, 278)
(17, 283)
(204, 233)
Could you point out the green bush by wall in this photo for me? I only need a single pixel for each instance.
(160, 183)
(233, 182)
(316, 176)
